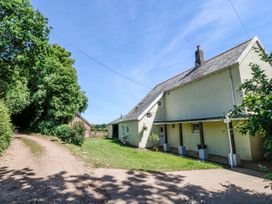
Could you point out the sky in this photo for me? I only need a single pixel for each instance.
(148, 41)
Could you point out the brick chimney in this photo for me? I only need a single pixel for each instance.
(199, 57)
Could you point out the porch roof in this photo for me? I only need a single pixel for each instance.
(206, 119)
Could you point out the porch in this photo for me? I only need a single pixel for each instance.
(252, 165)
(211, 139)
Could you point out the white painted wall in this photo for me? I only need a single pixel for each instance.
(148, 123)
(253, 57)
(109, 127)
(216, 138)
(160, 115)
(132, 134)
(173, 135)
(210, 96)
(190, 140)
(242, 143)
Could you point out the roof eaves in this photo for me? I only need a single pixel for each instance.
(247, 50)
(85, 120)
(150, 106)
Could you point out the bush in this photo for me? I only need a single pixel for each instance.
(64, 132)
(71, 134)
(79, 133)
(5, 128)
(45, 127)
(155, 139)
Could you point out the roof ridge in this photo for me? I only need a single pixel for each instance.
(229, 49)
(193, 68)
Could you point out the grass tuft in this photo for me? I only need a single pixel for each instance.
(34, 147)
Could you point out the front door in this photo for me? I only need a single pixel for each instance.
(115, 131)
(162, 135)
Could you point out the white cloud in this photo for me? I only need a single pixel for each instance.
(211, 22)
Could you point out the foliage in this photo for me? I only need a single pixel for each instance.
(257, 102)
(100, 152)
(5, 127)
(155, 139)
(24, 35)
(71, 134)
(257, 105)
(64, 132)
(38, 82)
(79, 133)
(58, 97)
(99, 127)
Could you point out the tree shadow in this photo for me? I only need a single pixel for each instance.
(22, 186)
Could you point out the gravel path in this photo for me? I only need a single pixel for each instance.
(59, 177)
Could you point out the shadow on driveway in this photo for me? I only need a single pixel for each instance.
(21, 186)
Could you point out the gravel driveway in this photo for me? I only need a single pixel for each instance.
(59, 177)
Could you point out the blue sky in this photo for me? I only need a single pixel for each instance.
(148, 41)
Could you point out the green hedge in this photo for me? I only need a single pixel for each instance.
(71, 134)
(5, 127)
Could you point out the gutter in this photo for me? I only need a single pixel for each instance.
(191, 120)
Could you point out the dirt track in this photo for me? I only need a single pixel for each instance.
(59, 177)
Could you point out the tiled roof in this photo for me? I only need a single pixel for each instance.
(217, 63)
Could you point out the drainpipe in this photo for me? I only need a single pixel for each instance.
(230, 141)
(232, 88)
(228, 121)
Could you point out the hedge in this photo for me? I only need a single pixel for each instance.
(5, 127)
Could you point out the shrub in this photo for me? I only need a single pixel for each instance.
(79, 133)
(65, 133)
(5, 127)
(45, 127)
(71, 134)
(155, 139)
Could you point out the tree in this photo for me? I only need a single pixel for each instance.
(23, 36)
(57, 96)
(38, 82)
(61, 95)
(257, 105)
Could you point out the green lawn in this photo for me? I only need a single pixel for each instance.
(107, 153)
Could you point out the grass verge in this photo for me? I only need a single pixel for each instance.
(107, 153)
(34, 147)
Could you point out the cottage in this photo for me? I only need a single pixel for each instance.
(189, 110)
(85, 122)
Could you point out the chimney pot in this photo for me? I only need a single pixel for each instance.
(199, 57)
